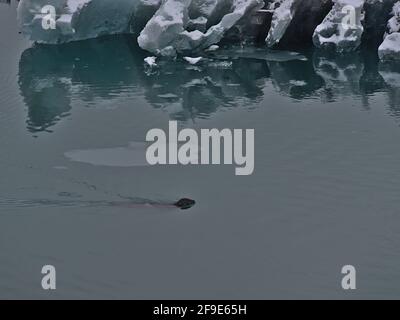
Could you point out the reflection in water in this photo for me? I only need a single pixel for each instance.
(341, 75)
(51, 78)
(295, 78)
(390, 72)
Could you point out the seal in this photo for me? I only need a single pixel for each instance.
(185, 203)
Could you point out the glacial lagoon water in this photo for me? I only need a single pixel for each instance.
(324, 194)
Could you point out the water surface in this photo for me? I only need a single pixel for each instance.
(325, 191)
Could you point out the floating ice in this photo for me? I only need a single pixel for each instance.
(214, 47)
(342, 28)
(259, 54)
(193, 60)
(150, 61)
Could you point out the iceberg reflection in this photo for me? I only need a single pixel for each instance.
(54, 78)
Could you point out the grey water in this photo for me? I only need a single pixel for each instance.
(324, 194)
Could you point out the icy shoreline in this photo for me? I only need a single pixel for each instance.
(171, 27)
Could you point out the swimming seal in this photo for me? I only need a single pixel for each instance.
(185, 203)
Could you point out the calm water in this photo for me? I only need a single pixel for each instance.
(325, 192)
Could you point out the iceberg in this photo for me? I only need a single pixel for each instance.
(164, 27)
(342, 29)
(196, 27)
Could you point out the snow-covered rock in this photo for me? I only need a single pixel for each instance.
(342, 29)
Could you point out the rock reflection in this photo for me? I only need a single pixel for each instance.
(54, 78)
(295, 78)
(390, 73)
(341, 74)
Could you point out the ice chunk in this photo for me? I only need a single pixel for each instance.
(342, 28)
(193, 60)
(214, 47)
(151, 61)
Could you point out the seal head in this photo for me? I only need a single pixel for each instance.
(185, 203)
